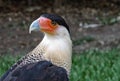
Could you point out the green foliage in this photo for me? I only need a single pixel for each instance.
(108, 20)
(95, 65)
(92, 65)
(6, 62)
(83, 39)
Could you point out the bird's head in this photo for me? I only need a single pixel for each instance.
(49, 24)
(56, 43)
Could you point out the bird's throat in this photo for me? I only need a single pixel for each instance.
(56, 51)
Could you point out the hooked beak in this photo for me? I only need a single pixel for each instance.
(34, 26)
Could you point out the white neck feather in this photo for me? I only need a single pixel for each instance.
(58, 48)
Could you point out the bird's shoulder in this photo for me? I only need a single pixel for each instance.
(39, 71)
(27, 59)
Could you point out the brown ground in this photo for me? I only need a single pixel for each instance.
(14, 36)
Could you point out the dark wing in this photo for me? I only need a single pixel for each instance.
(10, 70)
(40, 71)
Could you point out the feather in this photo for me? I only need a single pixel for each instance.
(39, 71)
(49, 61)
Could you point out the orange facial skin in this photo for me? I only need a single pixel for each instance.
(47, 25)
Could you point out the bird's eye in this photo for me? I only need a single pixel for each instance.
(54, 23)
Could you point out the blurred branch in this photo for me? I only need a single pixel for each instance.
(1, 3)
(59, 3)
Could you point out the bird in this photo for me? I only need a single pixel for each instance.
(51, 59)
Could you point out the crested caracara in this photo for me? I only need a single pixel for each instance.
(51, 59)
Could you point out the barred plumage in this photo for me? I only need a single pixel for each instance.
(53, 54)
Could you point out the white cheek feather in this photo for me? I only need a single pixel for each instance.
(59, 48)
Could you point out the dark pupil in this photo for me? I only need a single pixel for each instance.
(54, 23)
